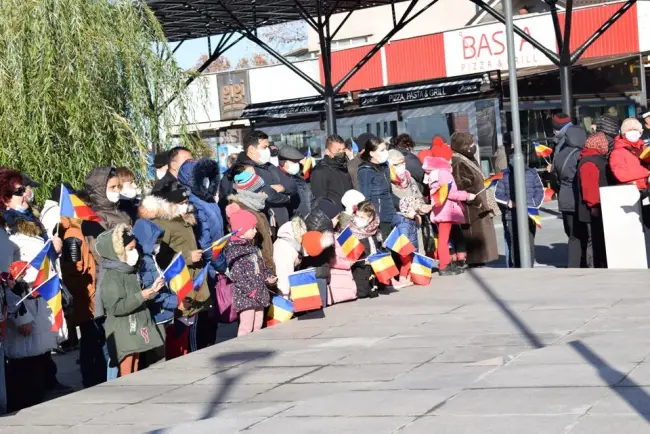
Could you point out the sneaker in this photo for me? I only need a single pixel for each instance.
(373, 294)
(450, 271)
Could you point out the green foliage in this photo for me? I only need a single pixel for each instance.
(83, 84)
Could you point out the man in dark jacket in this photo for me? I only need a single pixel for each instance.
(570, 141)
(289, 158)
(279, 188)
(330, 178)
(176, 157)
(405, 144)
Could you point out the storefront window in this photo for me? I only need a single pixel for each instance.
(423, 129)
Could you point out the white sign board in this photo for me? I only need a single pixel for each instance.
(624, 234)
(643, 17)
(483, 48)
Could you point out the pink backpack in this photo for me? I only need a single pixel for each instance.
(225, 311)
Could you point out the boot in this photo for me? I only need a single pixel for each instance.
(450, 270)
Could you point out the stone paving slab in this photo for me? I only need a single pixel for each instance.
(492, 351)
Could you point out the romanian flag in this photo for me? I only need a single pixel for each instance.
(304, 291)
(393, 174)
(42, 262)
(200, 278)
(306, 167)
(645, 154)
(543, 151)
(491, 181)
(533, 213)
(73, 207)
(50, 290)
(281, 310)
(383, 266)
(178, 277)
(218, 246)
(352, 247)
(548, 194)
(399, 243)
(439, 197)
(421, 269)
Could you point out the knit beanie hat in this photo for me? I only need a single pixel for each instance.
(242, 221)
(435, 163)
(608, 124)
(560, 120)
(127, 237)
(314, 242)
(631, 124)
(351, 199)
(394, 156)
(249, 181)
(161, 159)
(598, 142)
(440, 149)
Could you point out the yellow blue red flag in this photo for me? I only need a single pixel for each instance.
(421, 269)
(50, 290)
(71, 206)
(399, 243)
(281, 310)
(350, 244)
(178, 277)
(533, 213)
(383, 266)
(439, 197)
(304, 291)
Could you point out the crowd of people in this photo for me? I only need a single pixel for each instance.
(283, 216)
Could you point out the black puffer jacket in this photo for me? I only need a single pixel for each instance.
(318, 221)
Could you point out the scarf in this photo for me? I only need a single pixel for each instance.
(404, 181)
(368, 231)
(255, 201)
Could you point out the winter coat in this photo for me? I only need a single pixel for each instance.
(407, 227)
(34, 311)
(592, 175)
(5, 251)
(412, 190)
(565, 164)
(129, 327)
(164, 304)
(109, 212)
(276, 203)
(451, 210)
(330, 180)
(625, 164)
(414, 166)
(209, 227)
(79, 276)
(342, 285)
(374, 184)
(178, 238)
(254, 203)
(318, 221)
(288, 251)
(300, 205)
(478, 230)
(505, 189)
(225, 190)
(163, 182)
(50, 216)
(353, 170)
(248, 274)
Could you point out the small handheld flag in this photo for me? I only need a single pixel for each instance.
(200, 278)
(645, 154)
(178, 277)
(383, 266)
(533, 213)
(50, 290)
(393, 174)
(491, 181)
(399, 243)
(543, 151)
(304, 291)
(421, 269)
(218, 246)
(281, 310)
(548, 194)
(42, 262)
(306, 167)
(71, 206)
(352, 247)
(439, 197)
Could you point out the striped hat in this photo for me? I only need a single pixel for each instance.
(248, 181)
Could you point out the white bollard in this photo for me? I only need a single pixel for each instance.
(623, 227)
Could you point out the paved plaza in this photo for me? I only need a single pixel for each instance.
(492, 351)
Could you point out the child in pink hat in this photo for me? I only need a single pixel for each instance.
(447, 209)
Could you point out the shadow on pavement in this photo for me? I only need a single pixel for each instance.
(556, 255)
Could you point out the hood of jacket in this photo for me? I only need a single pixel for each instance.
(292, 232)
(317, 220)
(110, 248)
(256, 201)
(622, 142)
(24, 223)
(574, 137)
(154, 207)
(193, 173)
(147, 233)
(96, 187)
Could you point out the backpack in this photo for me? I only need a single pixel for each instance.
(224, 310)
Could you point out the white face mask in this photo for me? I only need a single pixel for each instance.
(265, 155)
(161, 173)
(275, 161)
(293, 168)
(113, 196)
(401, 169)
(128, 193)
(633, 136)
(183, 208)
(156, 249)
(206, 183)
(30, 197)
(382, 157)
(361, 222)
(132, 257)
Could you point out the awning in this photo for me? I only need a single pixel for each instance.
(288, 108)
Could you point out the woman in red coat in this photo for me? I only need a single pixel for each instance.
(624, 160)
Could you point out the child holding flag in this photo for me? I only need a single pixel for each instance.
(408, 222)
(130, 330)
(365, 227)
(447, 209)
(248, 272)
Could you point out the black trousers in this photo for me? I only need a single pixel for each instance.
(512, 238)
(578, 234)
(597, 243)
(26, 381)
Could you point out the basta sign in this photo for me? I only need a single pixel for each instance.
(483, 48)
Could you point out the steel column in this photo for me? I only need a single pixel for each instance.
(518, 162)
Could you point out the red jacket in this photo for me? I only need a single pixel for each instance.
(590, 179)
(625, 164)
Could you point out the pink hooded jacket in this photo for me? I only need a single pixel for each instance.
(439, 174)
